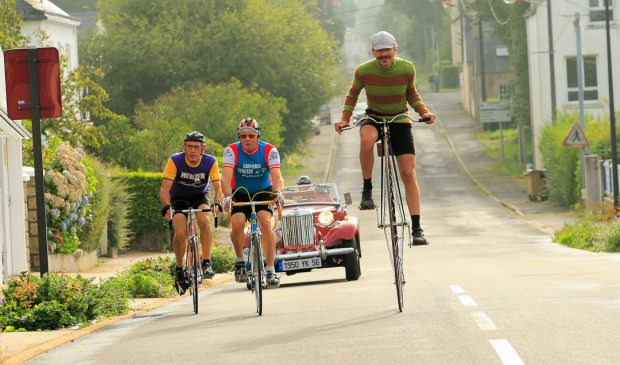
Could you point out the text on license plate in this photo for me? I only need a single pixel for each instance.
(299, 264)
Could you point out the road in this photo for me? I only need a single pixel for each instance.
(490, 289)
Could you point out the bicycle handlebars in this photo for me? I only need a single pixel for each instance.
(384, 121)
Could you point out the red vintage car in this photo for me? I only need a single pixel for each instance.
(315, 231)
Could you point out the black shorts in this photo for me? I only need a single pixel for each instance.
(182, 203)
(400, 135)
(241, 195)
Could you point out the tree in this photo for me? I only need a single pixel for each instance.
(214, 110)
(11, 27)
(150, 47)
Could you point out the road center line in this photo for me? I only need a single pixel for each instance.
(457, 289)
(506, 353)
(484, 322)
(467, 301)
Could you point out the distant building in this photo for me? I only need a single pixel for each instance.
(594, 52)
(62, 28)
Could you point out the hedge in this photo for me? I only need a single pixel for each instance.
(145, 206)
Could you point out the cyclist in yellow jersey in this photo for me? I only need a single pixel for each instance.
(186, 185)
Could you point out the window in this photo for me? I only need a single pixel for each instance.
(590, 84)
(597, 10)
(504, 91)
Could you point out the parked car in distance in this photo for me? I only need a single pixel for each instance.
(359, 111)
(325, 115)
(315, 231)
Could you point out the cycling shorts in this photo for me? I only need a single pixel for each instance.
(241, 195)
(194, 201)
(400, 135)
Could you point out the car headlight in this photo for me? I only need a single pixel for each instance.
(326, 218)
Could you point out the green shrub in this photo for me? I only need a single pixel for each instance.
(563, 175)
(145, 207)
(119, 219)
(591, 232)
(150, 278)
(449, 77)
(90, 235)
(222, 259)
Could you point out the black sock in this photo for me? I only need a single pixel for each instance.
(368, 184)
(206, 261)
(415, 221)
(179, 268)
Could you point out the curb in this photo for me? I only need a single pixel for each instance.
(467, 173)
(52, 344)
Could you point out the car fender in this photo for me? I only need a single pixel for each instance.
(345, 230)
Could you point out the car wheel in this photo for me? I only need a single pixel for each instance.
(352, 261)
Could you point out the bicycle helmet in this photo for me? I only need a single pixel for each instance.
(249, 125)
(194, 136)
(304, 180)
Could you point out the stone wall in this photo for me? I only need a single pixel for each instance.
(32, 233)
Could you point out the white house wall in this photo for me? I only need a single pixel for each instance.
(62, 34)
(593, 43)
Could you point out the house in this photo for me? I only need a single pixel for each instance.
(14, 256)
(594, 53)
(60, 27)
(485, 72)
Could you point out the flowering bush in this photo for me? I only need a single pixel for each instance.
(69, 183)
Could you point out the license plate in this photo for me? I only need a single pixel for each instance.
(290, 265)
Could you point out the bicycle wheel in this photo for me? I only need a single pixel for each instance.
(257, 273)
(194, 276)
(395, 230)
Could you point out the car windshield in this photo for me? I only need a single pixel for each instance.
(311, 194)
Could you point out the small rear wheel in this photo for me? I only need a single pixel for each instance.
(352, 261)
(194, 275)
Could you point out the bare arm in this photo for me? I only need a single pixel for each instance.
(227, 174)
(217, 187)
(276, 178)
(164, 192)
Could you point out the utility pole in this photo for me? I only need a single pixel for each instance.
(551, 63)
(612, 111)
(579, 60)
(483, 87)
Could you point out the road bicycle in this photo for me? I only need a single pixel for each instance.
(391, 216)
(255, 263)
(192, 265)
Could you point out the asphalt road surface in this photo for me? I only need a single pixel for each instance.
(490, 289)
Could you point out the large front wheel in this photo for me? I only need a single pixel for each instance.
(257, 273)
(352, 260)
(194, 268)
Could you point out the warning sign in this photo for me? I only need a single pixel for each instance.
(576, 137)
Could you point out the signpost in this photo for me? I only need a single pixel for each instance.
(576, 137)
(496, 112)
(33, 92)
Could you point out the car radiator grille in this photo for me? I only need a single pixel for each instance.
(298, 227)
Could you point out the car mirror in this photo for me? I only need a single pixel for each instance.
(347, 199)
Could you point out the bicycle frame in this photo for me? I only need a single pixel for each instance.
(255, 265)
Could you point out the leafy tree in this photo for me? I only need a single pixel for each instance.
(150, 47)
(214, 110)
(11, 27)
(77, 6)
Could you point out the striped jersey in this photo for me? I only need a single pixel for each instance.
(251, 170)
(387, 90)
(190, 180)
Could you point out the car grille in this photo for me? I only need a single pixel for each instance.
(298, 227)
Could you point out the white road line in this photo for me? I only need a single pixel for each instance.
(467, 301)
(457, 289)
(506, 353)
(483, 321)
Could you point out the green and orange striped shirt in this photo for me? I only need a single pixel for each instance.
(387, 90)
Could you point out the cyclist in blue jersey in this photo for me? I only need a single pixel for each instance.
(254, 165)
(186, 185)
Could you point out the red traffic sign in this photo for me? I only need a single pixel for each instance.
(18, 87)
(576, 137)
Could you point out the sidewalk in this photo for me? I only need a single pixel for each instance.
(18, 347)
(460, 130)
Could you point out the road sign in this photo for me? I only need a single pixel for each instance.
(576, 137)
(18, 87)
(494, 112)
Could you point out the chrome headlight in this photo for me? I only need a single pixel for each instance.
(326, 218)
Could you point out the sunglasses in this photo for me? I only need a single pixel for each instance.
(250, 136)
